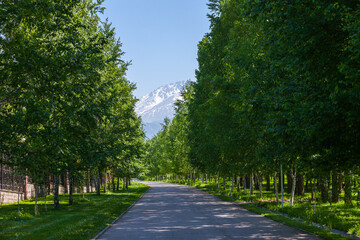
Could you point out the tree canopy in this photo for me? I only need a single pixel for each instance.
(63, 90)
(277, 83)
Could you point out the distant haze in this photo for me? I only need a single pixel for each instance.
(157, 105)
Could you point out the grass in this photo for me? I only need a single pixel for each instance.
(82, 220)
(339, 216)
(323, 233)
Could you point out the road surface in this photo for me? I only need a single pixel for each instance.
(171, 211)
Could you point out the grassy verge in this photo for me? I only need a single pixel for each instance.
(82, 220)
(326, 234)
(338, 216)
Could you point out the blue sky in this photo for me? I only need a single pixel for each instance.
(160, 37)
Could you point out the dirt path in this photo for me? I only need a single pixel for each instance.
(170, 211)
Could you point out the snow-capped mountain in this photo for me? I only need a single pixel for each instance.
(158, 104)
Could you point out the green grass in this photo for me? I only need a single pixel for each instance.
(339, 216)
(326, 234)
(82, 220)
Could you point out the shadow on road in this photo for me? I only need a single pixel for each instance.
(170, 211)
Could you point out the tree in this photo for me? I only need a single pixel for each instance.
(64, 91)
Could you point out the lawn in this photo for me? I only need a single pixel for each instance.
(82, 220)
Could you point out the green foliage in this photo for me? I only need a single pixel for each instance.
(167, 151)
(64, 91)
(277, 83)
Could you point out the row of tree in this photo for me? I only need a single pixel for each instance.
(65, 103)
(277, 87)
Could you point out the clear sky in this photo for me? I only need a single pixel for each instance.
(160, 37)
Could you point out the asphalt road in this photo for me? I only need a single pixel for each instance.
(170, 211)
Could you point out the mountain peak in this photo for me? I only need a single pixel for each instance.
(158, 104)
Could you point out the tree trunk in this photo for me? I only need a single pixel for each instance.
(247, 180)
(314, 197)
(224, 182)
(251, 184)
(347, 187)
(260, 179)
(49, 186)
(56, 177)
(218, 181)
(18, 201)
(335, 194)
(238, 183)
(97, 183)
(66, 177)
(88, 182)
(340, 183)
(56, 191)
(268, 183)
(279, 180)
(300, 188)
(244, 184)
(109, 181)
(282, 186)
(323, 185)
(36, 195)
(312, 190)
(276, 189)
(289, 183)
(293, 181)
(256, 182)
(105, 182)
(45, 196)
(71, 182)
(113, 183)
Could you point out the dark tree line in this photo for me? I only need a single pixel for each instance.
(277, 87)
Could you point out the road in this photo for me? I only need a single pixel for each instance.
(170, 211)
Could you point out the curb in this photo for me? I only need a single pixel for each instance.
(118, 218)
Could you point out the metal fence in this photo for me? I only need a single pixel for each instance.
(9, 180)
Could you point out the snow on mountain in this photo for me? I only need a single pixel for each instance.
(158, 104)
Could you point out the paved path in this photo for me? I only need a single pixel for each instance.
(170, 211)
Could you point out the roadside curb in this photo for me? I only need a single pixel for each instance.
(119, 217)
